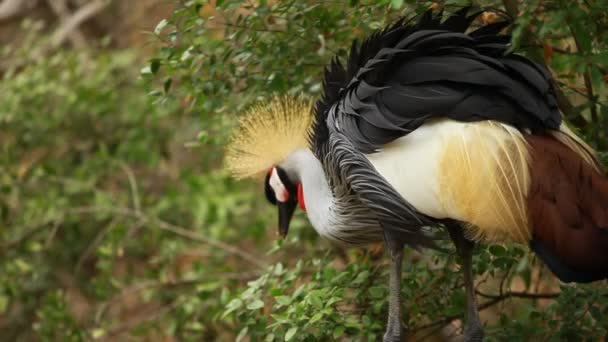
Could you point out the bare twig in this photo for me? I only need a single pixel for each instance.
(163, 225)
(494, 299)
(69, 26)
(133, 184)
(511, 8)
(12, 8)
(132, 323)
(516, 294)
(60, 8)
(91, 247)
(26, 236)
(590, 94)
(151, 284)
(554, 48)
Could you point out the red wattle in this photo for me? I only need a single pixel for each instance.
(301, 197)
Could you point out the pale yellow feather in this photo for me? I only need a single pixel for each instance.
(267, 134)
(576, 144)
(484, 177)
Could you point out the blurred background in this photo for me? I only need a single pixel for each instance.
(119, 223)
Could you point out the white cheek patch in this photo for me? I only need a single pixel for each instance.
(279, 189)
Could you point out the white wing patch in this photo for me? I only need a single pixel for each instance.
(472, 172)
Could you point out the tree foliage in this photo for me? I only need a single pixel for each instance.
(118, 221)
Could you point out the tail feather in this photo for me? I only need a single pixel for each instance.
(568, 208)
(575, 143)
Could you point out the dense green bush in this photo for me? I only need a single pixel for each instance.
(117, 220)
(280, 47)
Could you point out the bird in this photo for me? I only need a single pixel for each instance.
(433, 125)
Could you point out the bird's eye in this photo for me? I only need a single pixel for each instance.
(268, 191)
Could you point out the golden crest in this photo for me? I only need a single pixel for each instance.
(268, 133)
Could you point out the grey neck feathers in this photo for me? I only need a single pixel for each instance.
(337, 215)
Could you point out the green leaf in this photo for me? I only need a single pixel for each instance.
(290, 333)
(242, 334)
(232, 306)
(377, 292)
(596, 313)
(3, 304)
(338, 331)
(154, 65)
(167, 84)
(160, 26)
(316, 317)
(283, 300)
(397, 4)
(497, 250)
(98, 333)
(255, 305)
(361, 277)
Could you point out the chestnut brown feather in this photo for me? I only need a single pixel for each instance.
(568, 209)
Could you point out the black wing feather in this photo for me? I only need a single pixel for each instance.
(411, 72)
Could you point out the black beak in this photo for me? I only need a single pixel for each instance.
(286, 210)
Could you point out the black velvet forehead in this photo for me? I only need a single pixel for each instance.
(268, 190)
(289, 185)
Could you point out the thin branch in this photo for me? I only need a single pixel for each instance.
(277, 32)
(150, 284)
(554, 48)
(541, 269)
(590, 93)
(516, 294)
(495, 299)
(133, 185)
(60, 8)
(163, 225)
(70, 24)
(511, 8)
(13, 8)
(130, 324)
(26, 236)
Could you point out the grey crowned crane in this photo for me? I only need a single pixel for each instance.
(428, 126)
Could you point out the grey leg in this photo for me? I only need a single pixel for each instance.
(394, 332)
(473, 331)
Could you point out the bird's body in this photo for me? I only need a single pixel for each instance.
(427, 125)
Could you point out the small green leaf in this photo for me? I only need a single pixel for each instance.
(497, 250)
(3, 304)
(283, 300)
(256, 304)
(167, 84)
(290, 333)
(98, 333)
(376, 292)
(160, 26)
(232, 306)
(316, 317)
(595, 313)
(361, 277)
(338, 331)
(397, 4)
(242, 334)
(154, 65)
